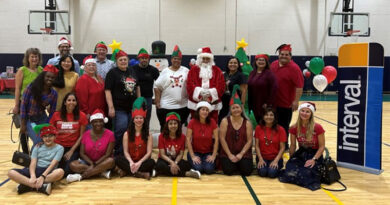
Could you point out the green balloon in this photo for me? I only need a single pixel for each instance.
(316, 65)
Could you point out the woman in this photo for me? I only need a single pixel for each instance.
(302, 167)
(25, 75)
(236, 140)
(66, 79)
(90, 89)
(96, 149)
(262, 86)
(121, 89)
(37, 97)
(171, 145)
(201, 132)
(233, 76)
(70, 123)
(270, 144)
(137, 145)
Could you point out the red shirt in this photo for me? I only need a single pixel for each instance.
(318, 130)
(69, 131)
(137, 149)
(172, 147)
(90, 94)
(288, 77)
(270, 151)
(202, 135)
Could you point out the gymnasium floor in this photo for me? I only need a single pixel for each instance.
(363, 188)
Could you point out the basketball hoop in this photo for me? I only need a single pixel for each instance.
(46, 31)
(351, 32)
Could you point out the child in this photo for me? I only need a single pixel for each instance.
(43, 167)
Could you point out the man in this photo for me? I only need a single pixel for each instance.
(146, 75)
(64, 47)
(290, 83)
(170, 90)
(102, 63)
(205, 82)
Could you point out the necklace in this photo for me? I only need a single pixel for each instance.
(267, 140)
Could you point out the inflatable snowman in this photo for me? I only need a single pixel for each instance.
(158, 58)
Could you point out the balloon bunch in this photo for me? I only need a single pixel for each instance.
(324, 75)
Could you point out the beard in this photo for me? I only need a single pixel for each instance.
(206, 73)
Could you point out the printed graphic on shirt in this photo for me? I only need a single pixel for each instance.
(176, 81)
(129, 84)
(171, 151)
(302, 140)
(67, 127)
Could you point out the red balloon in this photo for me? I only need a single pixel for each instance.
(306, 73)
(330, 73)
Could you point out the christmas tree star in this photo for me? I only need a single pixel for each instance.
(115, 45)
(242, 43)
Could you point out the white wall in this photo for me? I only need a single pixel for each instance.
(265, 24)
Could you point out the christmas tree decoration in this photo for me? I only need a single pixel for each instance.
(243, 58)
(115, 45)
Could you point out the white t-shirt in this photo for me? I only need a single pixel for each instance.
(172, 85)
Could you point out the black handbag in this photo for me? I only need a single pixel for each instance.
(21, 158)
(329, 172)
(16, 120)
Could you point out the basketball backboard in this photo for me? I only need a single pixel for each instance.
(48, 22)
(349, 24)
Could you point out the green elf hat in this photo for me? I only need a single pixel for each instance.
(143, 53)
(172, 116)
(117, 53)
(101, 44)
(176, 52)
(139, 107)
(45, 129)
(235, 99)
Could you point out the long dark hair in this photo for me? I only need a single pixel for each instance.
(275, 122)
(76, 111)
(196, 116)
(227, 64)
(144, 131)
(60, 82)
(165, 130)
(37, 87)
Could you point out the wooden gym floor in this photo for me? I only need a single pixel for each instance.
(363, 188)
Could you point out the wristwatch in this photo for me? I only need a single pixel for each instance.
(314, 159)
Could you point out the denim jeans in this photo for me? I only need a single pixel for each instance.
(268, 171)
(121, 123)
(31, 122)
(204, 166)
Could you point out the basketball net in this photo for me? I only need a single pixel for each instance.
(45, 33)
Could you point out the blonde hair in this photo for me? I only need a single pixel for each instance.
(27, 54)
(309, 128)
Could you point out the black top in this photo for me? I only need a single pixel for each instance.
(146, 77)
(123, 87)
(237, 78)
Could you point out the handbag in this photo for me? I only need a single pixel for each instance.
(21, 158)
(16, 120)
(329, 172)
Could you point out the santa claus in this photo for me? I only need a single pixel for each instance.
(205, 82)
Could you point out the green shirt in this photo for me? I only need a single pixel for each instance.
(29, 77)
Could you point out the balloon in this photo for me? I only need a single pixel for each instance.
(330, 73)
(306, 73)
(133, 62)
(307, 64)
(252, 118)
(320, 82)
(316, 65)
(115, 45)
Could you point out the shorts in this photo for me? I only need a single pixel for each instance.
(26, 171)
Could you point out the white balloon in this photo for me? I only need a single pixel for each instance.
(320, 82)
(307, 64)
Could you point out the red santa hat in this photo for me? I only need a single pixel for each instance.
(285, 47)
(98, 114)
(205, 52)
(89, 59)
(309, 105)
(51, 68)
(64, 40)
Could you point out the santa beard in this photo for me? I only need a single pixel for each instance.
(206, 73)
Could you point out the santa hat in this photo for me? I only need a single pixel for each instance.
(172, 116)
(89, 59)
(265, 56)
(101, 44)
(64, 40)
(205, 52)
(284, 47)
(143, 53)
(117, 53)
(51, 68)
(235, 99)
(176, 52)
(309, 105)
(45, 129)
(204, 104)
(98, 114)
(138, 107)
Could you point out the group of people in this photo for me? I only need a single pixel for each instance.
(78, 142)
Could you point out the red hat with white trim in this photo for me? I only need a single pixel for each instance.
(89, 59)
(98, 115)
(205, 52)
(309, 105)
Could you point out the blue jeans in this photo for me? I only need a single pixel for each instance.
(204, 166)
(121, 123)
(31, 122)
(149, 110)
(268, 171)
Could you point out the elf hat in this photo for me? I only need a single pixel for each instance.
(143, 53)
(117, 53)
(172, 116)
(176, 52)
(89, 59)
(98, 115)
(235, 99)
(309, 105)
(205, 52)
(101, 44)
(45, 129)
(265, 56)
(139, 106)
(51, 68)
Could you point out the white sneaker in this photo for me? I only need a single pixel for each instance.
(153, 173)
(106, 174)
(193, 173)
(73, 177)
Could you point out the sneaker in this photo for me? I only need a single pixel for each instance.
(45, 188)
(21, 188)
(153, 173)
(106, 174)
(73, 177)
(193, 173)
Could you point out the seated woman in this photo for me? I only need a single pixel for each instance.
(97, 145)
(270, 144)
(171, 145)
(43, 167)
(302, 167)
(201, 132)
(137, 145)
(70, 123)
